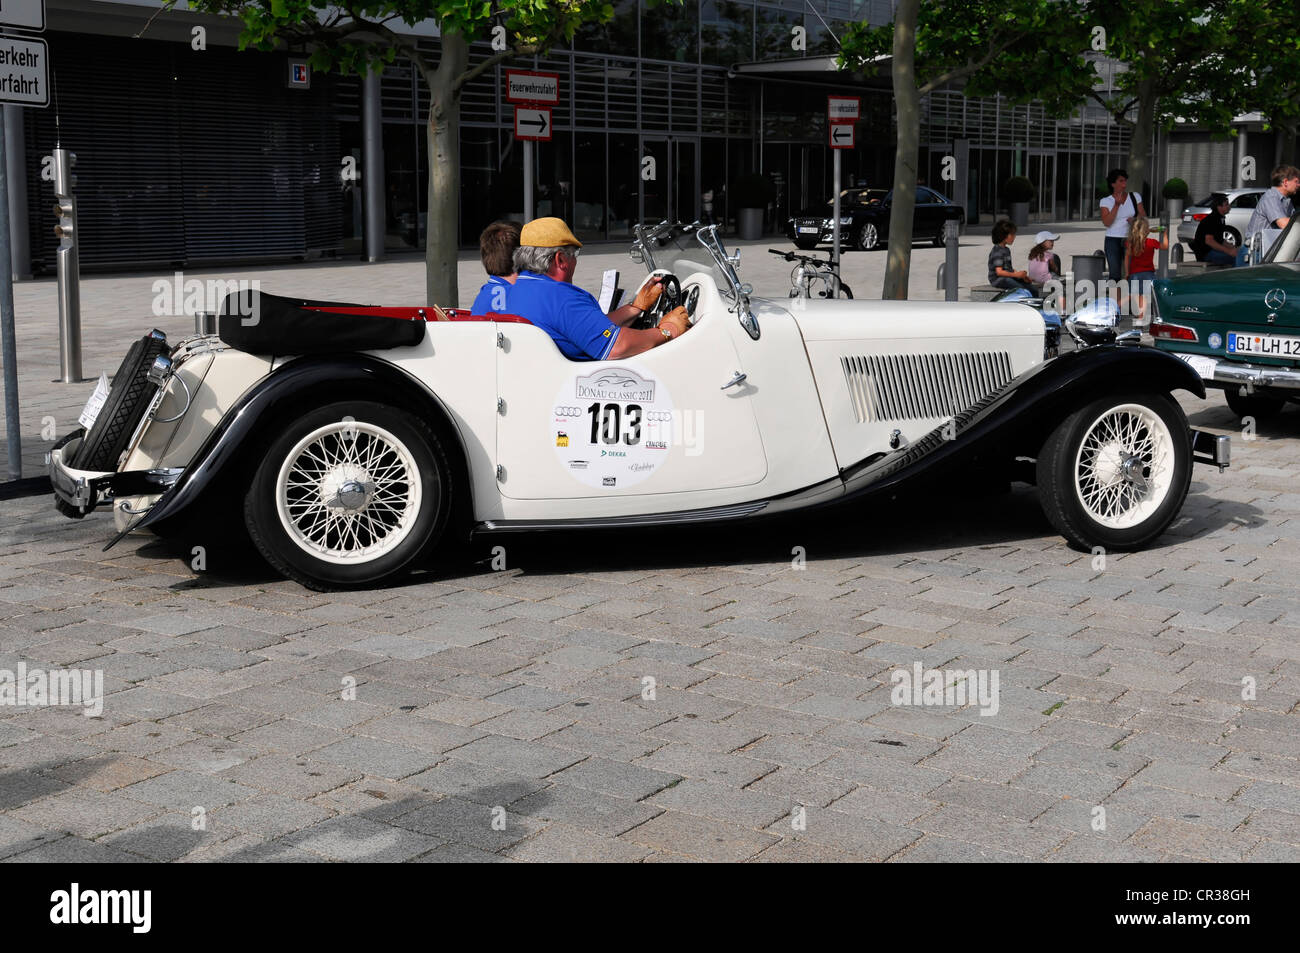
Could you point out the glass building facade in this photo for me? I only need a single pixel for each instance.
(662, 109)
(666, 104)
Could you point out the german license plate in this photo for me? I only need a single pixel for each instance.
(806, 230)
(1265, 345)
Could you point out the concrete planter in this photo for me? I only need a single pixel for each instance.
(749, 223)
(1020, 214)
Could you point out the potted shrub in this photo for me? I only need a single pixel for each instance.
(750, 195)
(1175, 196)
(1018, 192)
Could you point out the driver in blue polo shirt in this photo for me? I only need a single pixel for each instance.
(544, 293)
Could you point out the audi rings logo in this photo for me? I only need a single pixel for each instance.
(1275, 298)
(568, 411)
(658, 416)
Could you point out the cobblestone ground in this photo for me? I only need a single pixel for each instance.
(509, 715)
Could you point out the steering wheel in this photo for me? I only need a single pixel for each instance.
(669, 298)
(692, 299)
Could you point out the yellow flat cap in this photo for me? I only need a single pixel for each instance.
(547, 233)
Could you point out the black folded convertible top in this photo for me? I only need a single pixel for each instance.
(262, 323)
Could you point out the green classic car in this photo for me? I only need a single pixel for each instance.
(1239, 328)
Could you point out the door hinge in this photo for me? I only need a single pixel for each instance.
(501, 473)
(501, 406)
(501, 340)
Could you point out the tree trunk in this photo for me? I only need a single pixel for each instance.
(442, 236)
(1140, 146)
(908, 103)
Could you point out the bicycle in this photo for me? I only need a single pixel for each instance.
(814, 277)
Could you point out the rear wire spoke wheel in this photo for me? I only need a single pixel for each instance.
(350, 494)
(1115, 473)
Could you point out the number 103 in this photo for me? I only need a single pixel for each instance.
(608, 423)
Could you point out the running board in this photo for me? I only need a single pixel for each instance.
(810, 496)
(712, 514)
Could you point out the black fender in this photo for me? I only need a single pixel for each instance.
(1015, 420)
(322, 378)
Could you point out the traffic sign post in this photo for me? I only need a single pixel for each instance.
(843, 108)
(532, 124)
(26, 83)
(532, 93)
(841, 135)
(841, 114)
(538, 89)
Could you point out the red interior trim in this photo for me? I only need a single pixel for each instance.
(422, 314)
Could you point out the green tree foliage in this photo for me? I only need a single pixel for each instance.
(357, 37)
(1022, 49)
(1203, 61)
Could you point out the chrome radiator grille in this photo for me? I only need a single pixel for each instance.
(912, 386)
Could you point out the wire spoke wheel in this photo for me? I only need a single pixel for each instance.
(1124, 466)
(1115, 473)
(348, 492)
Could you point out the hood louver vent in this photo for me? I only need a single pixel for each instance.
(919, 386)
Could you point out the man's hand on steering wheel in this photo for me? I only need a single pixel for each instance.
(670, 298)
(649, 293)
(677, 321)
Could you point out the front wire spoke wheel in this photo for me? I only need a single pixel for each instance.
(1124, 466)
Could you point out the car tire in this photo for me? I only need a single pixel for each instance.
(867, 237)
(807, 244)
(1259, 406)
(1231, 236)
(127, 401)
(1092, 468)
(349, 494)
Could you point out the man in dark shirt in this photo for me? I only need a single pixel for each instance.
(1208, 245)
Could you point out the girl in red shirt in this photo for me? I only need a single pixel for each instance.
(1139, 262)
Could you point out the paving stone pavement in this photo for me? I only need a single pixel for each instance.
(702, 699)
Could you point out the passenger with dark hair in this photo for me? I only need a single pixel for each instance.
(1001, 274)
(497, 247)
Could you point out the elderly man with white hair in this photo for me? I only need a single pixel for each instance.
(544, 293)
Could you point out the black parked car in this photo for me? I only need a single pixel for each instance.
(864, 219)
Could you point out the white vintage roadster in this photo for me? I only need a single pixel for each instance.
(352, 441)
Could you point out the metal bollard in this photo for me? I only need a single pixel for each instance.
(950, 262)
(205, 322)
(69, 267)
